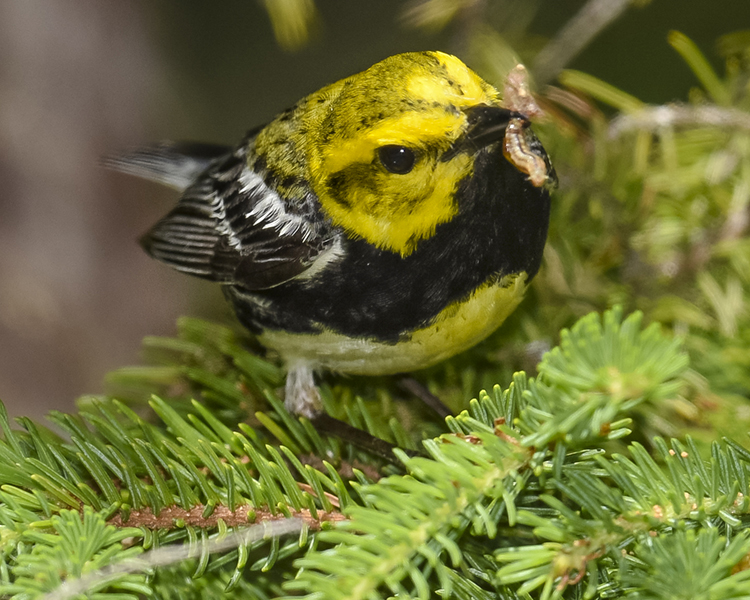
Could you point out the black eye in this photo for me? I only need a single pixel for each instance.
(397, 159)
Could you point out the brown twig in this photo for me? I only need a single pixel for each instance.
(168, 518)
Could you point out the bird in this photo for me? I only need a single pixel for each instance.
(380, 225)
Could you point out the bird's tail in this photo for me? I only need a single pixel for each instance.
(176, 165)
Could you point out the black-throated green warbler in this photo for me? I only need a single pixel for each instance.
(380, 225)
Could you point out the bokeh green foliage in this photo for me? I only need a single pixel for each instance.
(652, 212)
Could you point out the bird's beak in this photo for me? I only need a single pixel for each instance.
(486, 124)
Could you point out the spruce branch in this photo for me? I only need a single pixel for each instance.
(510, 455)
(688, 565)
(412, 525)
(66, 547)
(126, 564)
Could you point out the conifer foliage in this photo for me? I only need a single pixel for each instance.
(520, 495)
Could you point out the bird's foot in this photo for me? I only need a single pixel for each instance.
(303, 399)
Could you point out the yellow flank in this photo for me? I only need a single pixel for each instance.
(455, 329)
(332, 137)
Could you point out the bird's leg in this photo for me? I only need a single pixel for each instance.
(303, 399)
(412, 386)
(301, 395)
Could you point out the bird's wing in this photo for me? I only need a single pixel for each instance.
(229, 226)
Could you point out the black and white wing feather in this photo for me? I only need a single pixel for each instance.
(229, 226)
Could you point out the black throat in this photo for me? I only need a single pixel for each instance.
(500, 229)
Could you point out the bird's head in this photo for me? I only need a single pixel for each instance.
(386, 149)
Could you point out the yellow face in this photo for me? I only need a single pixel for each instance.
(373, 145)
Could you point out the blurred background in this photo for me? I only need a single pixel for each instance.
(84, 78)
